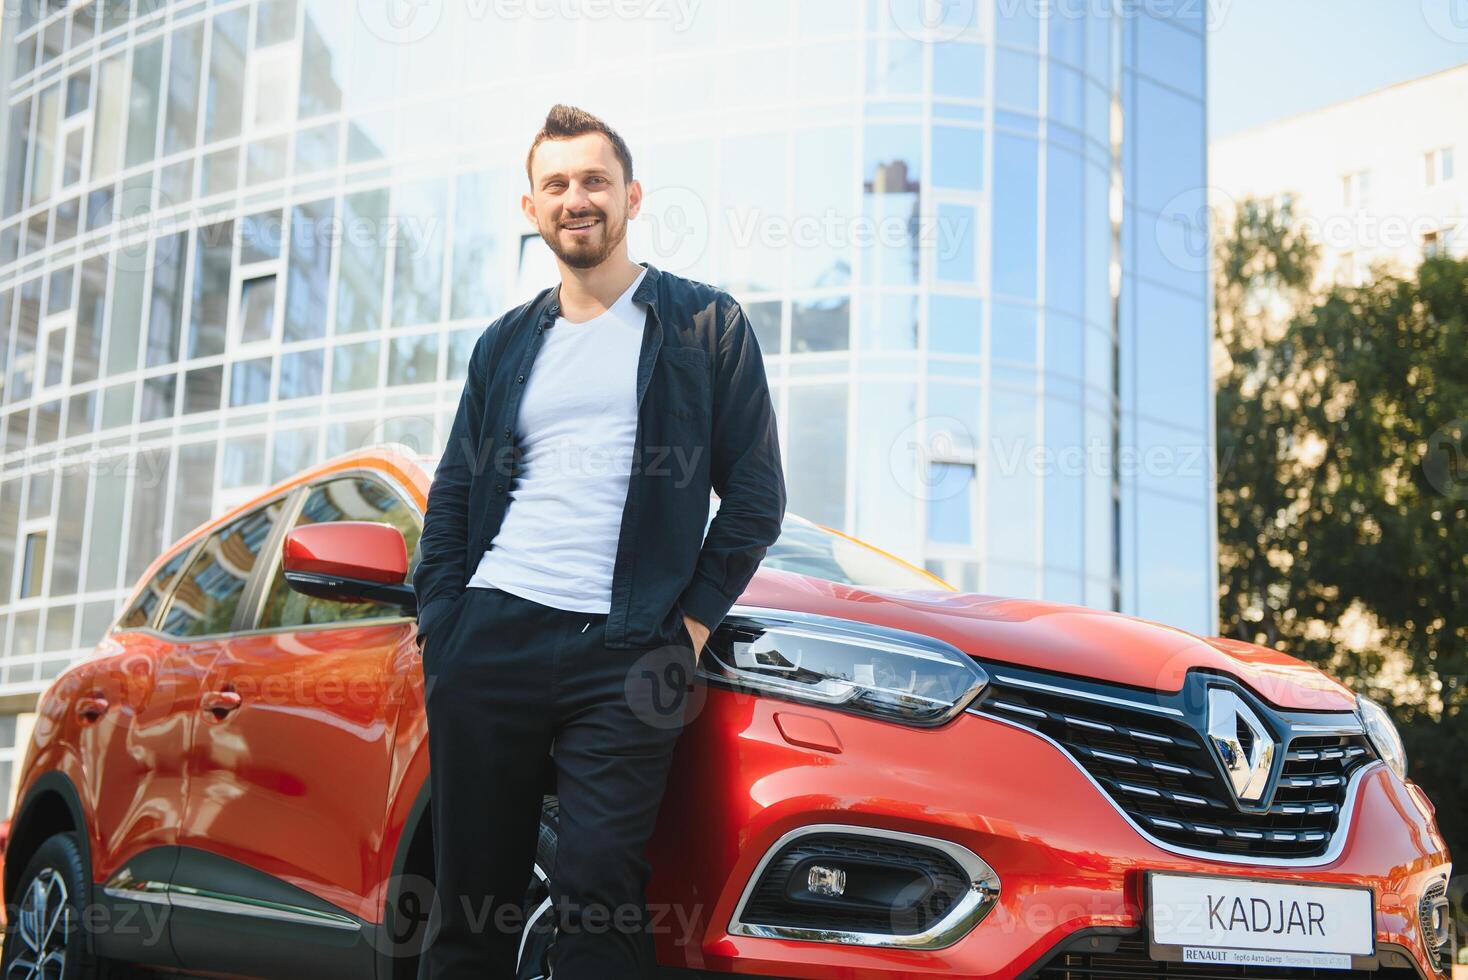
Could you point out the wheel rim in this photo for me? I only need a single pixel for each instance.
(43, 927)
(539, 935)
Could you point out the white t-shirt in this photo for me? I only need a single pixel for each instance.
(576, 430)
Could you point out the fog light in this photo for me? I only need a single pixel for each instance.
(821, 880)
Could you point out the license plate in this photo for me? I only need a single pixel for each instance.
(1248, 922)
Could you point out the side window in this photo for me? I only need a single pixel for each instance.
(141, 611)
(209, 592)
(348, 498)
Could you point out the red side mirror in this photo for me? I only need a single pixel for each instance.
(360, 550)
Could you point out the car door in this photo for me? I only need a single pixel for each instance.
(146, 701)
(289, 772)
(133, 739)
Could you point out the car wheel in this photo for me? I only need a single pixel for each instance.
(539, 936)
(45, 939)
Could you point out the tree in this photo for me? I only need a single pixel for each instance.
(1342, 486)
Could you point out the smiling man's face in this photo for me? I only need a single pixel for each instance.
(579, 199)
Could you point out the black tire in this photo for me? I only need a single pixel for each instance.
(51, 894)
(539, 936)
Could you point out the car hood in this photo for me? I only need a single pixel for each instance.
(1104, 646)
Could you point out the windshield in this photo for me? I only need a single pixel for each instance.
(810, 549)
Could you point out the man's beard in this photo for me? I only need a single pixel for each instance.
(587, 254)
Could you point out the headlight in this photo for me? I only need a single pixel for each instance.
(872, 670)
(1383, 734)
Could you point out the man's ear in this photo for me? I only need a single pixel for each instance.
(634, 199)
(527, 207)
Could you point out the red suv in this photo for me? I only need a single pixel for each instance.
(880, 777)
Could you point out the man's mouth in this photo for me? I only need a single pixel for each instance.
(580, 226)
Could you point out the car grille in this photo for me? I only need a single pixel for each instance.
(1130, 960)
(1158, 768)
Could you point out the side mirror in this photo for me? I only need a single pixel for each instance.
(349, 561)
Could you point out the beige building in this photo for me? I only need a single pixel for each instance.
(1374, 178)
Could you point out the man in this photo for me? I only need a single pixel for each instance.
(564, 550)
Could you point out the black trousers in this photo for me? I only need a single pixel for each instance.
(508, 681)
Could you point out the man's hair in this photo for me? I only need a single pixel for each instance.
(564, 122)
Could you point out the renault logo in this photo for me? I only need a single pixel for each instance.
(1243, 745)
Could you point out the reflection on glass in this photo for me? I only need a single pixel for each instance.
(140, 613)
(203, 388)
(181, 126)
(949, 492)
(142, 126)
(894, 66)
(209, 310)
(955, 324)
(816, 474)
(257, 309)
(165, 309)
(226, 75)
(958, 158)
(1016, 163)
(1013, 484)
(420, 214)
(104, 544)
(145, 511)
(301, 373)
(249, 382)
(758, 221)
(956, 247)
(354, 366)
(1064, 248)
(1014, 333)
(363, 262)
(413, 360)
(308, 278)
(1017, 81)
(479, 201)
(209, 593)
(820, 325)
(825, 201)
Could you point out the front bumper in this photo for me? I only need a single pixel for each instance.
(1072, 867)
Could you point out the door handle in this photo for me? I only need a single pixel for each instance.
(220, 703)
(91, 708)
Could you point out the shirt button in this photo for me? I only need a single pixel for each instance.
(520, 379)
(499, 488)
(507, 432)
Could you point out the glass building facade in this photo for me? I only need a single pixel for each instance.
(237, 238)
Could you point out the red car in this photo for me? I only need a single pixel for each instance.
(882, 777)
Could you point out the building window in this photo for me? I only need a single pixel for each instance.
(1355, 189)
(950, 502)
(33, 567)
(1437, 242)
(1438, 165)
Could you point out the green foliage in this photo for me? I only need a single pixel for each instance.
(1343, 484)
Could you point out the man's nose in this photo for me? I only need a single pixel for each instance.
(577, 198)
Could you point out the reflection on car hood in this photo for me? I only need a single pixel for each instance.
(1089, 643)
